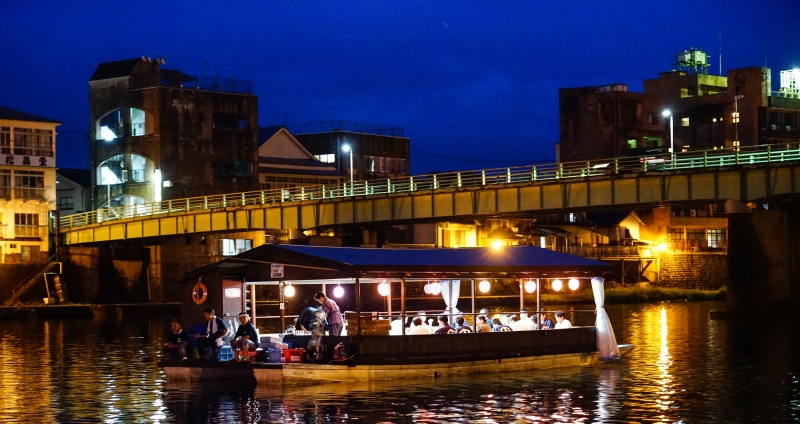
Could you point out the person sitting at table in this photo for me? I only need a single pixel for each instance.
(483, 325)
(562, 322)
(485, 312)
(462, 326)
(547, 324)
(419, 327)
(497, 326)
(525, 320)
(444, 327)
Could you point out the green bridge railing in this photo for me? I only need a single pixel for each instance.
(750, 155)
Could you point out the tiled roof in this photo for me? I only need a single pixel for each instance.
(16, 115)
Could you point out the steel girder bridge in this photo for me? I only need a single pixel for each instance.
(744, 174)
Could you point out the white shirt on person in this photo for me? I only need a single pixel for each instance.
(563, 324)
(419, 329)
(525, 324)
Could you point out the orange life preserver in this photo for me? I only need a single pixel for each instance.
(203, 293)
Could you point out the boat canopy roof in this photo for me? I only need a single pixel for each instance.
(322, 262)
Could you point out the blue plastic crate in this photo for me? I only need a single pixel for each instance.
(225, 353)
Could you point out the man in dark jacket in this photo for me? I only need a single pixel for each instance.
(310, 321)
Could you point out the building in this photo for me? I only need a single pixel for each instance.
(27, 184)
(375, 151)
(706, 112)
(159, 134)
(73, 190)
(283, 163)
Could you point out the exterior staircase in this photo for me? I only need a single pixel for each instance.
(37, 277)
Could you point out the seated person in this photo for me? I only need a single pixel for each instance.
(485, 312)
(497, 326)
(309, 320)
(396, 327)
(444, 327)
(178, 339)
(213, 339)
(561, 321)
(462, 326)
(525, 320)
(419, 327)
(483, 325)
(246, 337)
(547, 324)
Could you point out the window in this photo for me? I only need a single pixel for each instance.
(33, 142)
(28, 184)
(232, 247)
(26, 225)
(632, 143)
(685, 122)
(675, 234)
(66, 203)
(696, 235)
(716, 239)
(329, 158)
(5, 140)
(231, 122)
(653, 118)
(5, 183)
(237, 168)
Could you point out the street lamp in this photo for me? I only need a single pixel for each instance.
(666, 113)
(346, 148)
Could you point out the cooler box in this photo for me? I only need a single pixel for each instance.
(268, 345)
(274, 355)
(270, 339)
(293, 355)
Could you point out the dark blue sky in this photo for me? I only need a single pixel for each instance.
(474, 83)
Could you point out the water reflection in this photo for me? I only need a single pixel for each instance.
(684, 368)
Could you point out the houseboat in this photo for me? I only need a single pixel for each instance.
(276, 282)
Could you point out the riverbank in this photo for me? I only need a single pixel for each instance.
(117, 310)
(639, 294)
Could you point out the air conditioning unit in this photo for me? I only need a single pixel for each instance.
(693, 212)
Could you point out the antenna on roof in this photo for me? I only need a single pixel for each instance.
(285, 116)
(720, 52)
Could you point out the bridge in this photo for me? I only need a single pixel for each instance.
(744, 174)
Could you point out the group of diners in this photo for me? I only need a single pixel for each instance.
(456, 323)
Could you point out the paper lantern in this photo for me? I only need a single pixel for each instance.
(573, 284)
(288, 290)
(484, 286)
(530, 286)
(436, 288)
(338, 291)
(384, 289)
(557, 285)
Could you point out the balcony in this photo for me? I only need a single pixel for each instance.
(29, 193)
(29, 231)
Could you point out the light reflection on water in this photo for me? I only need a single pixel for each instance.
(684, 368)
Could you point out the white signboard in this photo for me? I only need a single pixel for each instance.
(276, 271)
(233, 292)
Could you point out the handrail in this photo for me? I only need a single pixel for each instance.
(749, 155)
(38, 270)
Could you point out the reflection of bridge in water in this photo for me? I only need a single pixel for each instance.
(744, 174)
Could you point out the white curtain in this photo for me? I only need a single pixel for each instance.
(606, 342)
(450, 292)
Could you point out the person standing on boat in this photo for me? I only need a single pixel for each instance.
(309, 321)
(175, 346)
(216, 330)
(561, 321)
(332, 313)
(444, 327)
(246, 337)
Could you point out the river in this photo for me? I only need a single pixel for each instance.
(684, 368)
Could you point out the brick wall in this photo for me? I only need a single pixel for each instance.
(708, 271)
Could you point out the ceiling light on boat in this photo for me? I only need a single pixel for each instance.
(574, 284)
(530, 286)
(484, 286)
(338, 291)
(288, 290)
(384, 289)
(436, 288)
(427, 288)
(557, 285)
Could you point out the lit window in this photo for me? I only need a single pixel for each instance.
(329, 158)
(684, 122)
(232, 247)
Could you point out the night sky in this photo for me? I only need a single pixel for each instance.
(474, 83)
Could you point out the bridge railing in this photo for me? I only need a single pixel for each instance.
(518, 174)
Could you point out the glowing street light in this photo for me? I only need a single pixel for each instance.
(347, 149)
(667, 113)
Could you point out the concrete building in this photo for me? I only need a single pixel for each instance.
(73, 190)
(377, 151)
(284, 163)
(708, 111)
(27, 185)
(159, 134)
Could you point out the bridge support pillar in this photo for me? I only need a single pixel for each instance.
(154, 275)
(763, 261)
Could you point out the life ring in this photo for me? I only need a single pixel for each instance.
(199, 293)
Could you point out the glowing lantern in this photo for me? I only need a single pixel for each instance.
(574, 284)
(338, 291)
(288, 290)
(436, 288)
(497, 244)
(557, 285)
(484, 286)
(530, 286)
(384, 288)
(428, 287)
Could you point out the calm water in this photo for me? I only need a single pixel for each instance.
(685, 368)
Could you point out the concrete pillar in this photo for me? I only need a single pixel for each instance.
(154, 275)
(762, 248)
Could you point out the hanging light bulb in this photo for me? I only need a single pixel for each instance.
(384, 289)
(436, 288)
(427, 287)
(484, 286)
(530, 286)
(573, 284)
(288, 290)
(557, 285)
(338, 291)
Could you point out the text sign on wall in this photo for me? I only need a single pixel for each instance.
(29, 160)
(276, 271)
(233, 292)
